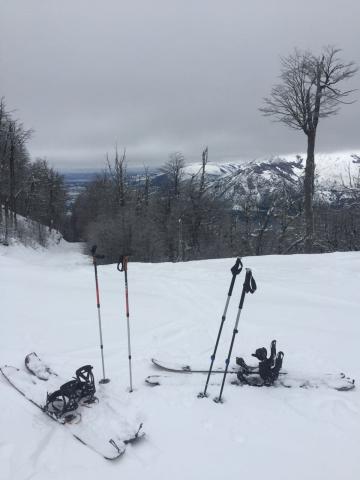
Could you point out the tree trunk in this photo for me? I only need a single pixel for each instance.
(309, 193)
(12, 174)
(6, 233)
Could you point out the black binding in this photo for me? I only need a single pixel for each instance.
(66, 400)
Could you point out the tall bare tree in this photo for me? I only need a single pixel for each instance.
(118, 175)
(310, 89)
(174, 171)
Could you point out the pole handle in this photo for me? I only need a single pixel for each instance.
(235, 270)
(238, 266)
(93, 253)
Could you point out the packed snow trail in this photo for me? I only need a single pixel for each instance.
(309, 303)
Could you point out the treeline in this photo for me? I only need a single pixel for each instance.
(30, 189)
(174, 216)
(177, 217)
(176, 220)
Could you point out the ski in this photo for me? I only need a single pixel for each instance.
(335, 381)
(175, 381)
(339, 382)
(182, 368)
(100, 428)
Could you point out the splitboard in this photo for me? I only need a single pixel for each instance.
(98, 426)
(336, 381)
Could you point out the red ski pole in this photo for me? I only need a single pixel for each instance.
(95, 257)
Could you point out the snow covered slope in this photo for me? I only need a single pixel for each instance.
(28, 232)
(310, 304)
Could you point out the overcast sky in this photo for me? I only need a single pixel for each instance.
(158, 76)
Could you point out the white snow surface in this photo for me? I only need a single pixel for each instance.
(309, 303)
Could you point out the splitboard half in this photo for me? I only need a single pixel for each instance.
(186, 368)
(337, 381)
(100, 428)
(183, 368)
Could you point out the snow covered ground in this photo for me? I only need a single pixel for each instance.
(310, 304)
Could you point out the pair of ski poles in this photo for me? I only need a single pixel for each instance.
(249, 286)
(123, 261)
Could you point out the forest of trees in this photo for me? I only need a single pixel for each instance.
(175, 216)
(30, 189)
(186, 217)
(171, 216)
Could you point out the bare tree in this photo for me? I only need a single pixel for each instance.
(118, 175)
(174, 170)
(309, 90)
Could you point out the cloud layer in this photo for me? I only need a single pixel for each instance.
(164, 75)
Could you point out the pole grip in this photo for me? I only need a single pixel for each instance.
(93, 253)
(235, 270)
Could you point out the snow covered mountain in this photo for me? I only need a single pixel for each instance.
(335, 168)
(333, 171)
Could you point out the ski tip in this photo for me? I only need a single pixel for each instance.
(37, 367)
(138, 435)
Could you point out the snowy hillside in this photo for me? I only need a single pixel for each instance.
(28, 232)
(309, 303)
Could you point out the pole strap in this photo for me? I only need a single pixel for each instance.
(123, 261)
(249, 283)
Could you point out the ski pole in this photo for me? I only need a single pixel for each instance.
(123, 260)
(95, 257)
(248, 286)
(235, 270)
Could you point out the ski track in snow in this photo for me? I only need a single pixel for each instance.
(309, 303)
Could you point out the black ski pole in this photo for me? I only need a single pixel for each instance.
(235, 270)
(249, 286)
(95, 257)
(123, 260)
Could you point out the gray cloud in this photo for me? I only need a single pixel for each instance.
(160, 76)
